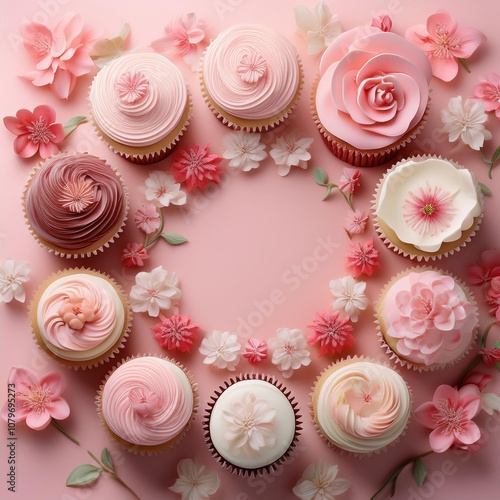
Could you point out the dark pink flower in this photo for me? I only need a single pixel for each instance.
(479, 379)
(134, 255)
(333, 333)
(489, 92)
(362, 259)
(355, 222)
(349, 180)
(384, 22)
(255, 350)
(176, 333)
(36, 132)
(147, 218)
(490, 356)
(196, 167)
(493, 297)
(37, 401)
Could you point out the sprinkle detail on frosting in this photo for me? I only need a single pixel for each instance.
(252, 67)
(77, 196)
(132, 87)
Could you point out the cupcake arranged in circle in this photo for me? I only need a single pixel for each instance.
(251, 77)
(427, 318)
(360, 406)
(252, 424)
(148, 403)
(427, 207)
(80, 317)
(140, 106)
(75, 204)
(371, 97)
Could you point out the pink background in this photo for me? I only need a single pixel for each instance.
(247, 238)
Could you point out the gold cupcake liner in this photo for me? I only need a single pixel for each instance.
(259, 471)
(80, 364)
(143, 449)
(390, 239)
(96, 247)
(390, 345)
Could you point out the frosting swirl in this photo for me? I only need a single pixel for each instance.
(147, 401)
(251, 72)
(75, 201)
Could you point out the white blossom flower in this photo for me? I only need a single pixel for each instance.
(320, 27)
(490, 402)
(12, 276)
(162, 190)
(465, 121)
(320, 482)
(194, 483)
(289, 350)
(350, 296)
(155, 291)
(244, 149)
(221, 349)
(289, 151)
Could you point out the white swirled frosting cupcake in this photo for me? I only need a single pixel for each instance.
(251, 77)
(147, 403)
(140, 106)
(80, 317)
(360, 406)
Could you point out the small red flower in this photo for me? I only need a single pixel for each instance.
(255, 350)
(362, 259)
(134, 255)
(333, 333)
(490, 356)
(175, 333)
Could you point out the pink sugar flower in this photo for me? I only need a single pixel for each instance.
(61, 55)
(134, 255)
(362, 259)
(37, 401)
(147, 218)
(132, 87)
(486, 270)
(355, 222)
(176, 333)
(489, 92)
(384, 22)
(333, 333)
(493, 297)
(490, 356)
(349, 180)
(443, 42)
(450, 415)
(36, 131)
(196, 167)
(255, 350)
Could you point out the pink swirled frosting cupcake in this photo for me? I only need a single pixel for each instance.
(360, 406)
(75, 204)
(427, 319)
(251, 77)
(147, 403)
(371, 96)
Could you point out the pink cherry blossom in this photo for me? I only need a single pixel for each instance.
(333, 333)
(489, 92)
(355, 222)
(61, 55)
(255, 350)
(443, 42)
(349, 180)
(37, 401)
(134, 255)
(450, 415)
(36, 131)
(147, 218)
(383, 22)
(362, 258)
(176, 333)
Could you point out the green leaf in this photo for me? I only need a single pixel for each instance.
(106, 458)
(327, 192)
(497, 343)
(320, 176)
(174, 238)
(83, 475)
(419, 471)
(496, 155)
(73, 124)
(485, 189)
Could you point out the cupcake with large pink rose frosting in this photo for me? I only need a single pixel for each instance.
(371, 96)
(426, 318)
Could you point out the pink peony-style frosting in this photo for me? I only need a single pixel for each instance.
(75, 201)
(431, 316)
(373, 88)
(147, 401)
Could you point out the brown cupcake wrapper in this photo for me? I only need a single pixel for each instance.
(360, 158)
(317, 384)
(259, 471)
(390, 239)
(390, 350)
(91, 249)
(249, 125)
(80, 364)
(143, 449)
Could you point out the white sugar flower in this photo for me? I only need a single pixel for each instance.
(350, 296)
(490, 402)
(162, 190)
(12, 276)
(289, 350)
(289, 151)
(320, 27)
(466, 121)
(155, 291)
(320, 482)
(244, 149)
(221, 349)
(194, 483)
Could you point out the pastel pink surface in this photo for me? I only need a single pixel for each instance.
(262, 250)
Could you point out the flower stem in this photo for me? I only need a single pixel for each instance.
(346, 198)
(58, 426)
(463, 62)
(148, 243)
(469, 368)
(482, 342)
